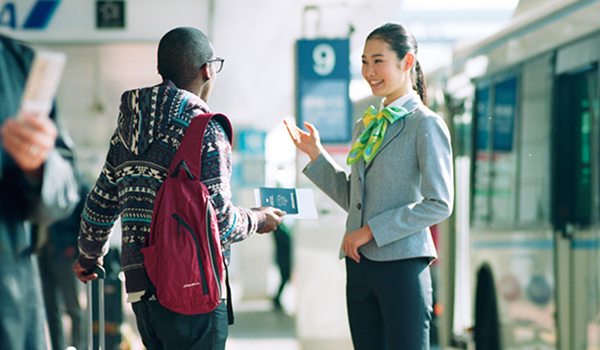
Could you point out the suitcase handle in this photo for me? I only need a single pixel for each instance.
(101, 272)
(98, 269)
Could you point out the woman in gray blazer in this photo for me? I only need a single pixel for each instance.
(401, 183)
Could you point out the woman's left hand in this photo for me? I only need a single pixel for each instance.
(307, 142)
(354, 240)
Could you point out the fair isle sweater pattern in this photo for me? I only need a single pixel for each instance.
(151, 125)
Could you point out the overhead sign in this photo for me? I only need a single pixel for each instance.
(322, 85)
(37, 17)
(97, 21)
(110, 14)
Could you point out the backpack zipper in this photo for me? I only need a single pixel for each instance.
(212, 249)
(189, 229)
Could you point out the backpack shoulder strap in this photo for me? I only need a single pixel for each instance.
(189, 153)
(226, 124)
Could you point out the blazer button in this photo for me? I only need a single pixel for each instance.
(358, 206)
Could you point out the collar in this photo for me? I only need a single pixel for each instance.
(193, 97)
(400, 102)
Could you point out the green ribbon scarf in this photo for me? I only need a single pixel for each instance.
(368, 142)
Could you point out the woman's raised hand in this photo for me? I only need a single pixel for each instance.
(307, 142)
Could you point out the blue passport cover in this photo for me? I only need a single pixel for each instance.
(280, 198)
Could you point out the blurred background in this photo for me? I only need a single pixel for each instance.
(516, 81)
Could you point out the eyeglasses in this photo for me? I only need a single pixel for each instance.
(218, 63)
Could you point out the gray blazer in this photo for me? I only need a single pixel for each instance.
(406, 188)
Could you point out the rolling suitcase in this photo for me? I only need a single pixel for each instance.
(107, 303)
(99, 270)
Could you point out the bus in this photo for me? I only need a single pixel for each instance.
(523, 246)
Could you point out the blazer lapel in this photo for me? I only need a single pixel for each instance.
(360, 164)
(360, 167)
(391, 133)
(394, 129)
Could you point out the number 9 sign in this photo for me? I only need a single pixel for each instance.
(324, 59)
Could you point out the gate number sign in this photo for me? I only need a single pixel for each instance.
(322, 82)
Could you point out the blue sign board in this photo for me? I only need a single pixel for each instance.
(249, 171)
(322, 83)
(251, 141)
(38, 17)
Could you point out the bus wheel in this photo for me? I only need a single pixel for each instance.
(487, 329)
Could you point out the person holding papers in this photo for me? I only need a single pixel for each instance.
(400, 184)
(37, 187)
(151, 125)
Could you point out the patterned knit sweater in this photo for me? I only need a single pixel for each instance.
(151, 124)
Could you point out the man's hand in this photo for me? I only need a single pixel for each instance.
(274, 219)
(82, 274)
(29, 140)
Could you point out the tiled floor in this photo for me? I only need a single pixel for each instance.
(258, 326)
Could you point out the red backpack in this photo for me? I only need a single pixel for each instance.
(182, 253)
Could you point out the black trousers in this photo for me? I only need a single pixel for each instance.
(389, 304)
(163, 329)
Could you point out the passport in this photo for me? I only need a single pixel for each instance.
(280, 198)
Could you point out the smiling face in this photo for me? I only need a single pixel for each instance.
(387, 75)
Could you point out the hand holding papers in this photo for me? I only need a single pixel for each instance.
(42, 83)
(30, 137)
(298, 203)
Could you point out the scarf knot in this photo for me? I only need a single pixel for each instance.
(376, 123)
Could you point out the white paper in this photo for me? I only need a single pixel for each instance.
(42, 83)
(306, 203)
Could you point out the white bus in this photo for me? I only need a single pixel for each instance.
(523, 251)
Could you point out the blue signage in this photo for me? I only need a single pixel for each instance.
(249, 171)
(38, 18)
(322, 83)
(251, 141)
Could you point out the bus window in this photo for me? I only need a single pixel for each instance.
(577, 94)
(504, 157)
(495, 160)
(481, 173)
(535, 110)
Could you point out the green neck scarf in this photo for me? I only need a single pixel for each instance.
(368, 142)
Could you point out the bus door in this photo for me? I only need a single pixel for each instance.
(575, 208)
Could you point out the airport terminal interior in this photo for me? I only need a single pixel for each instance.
(501, 73)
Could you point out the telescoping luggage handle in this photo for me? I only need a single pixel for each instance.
(99, 270)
